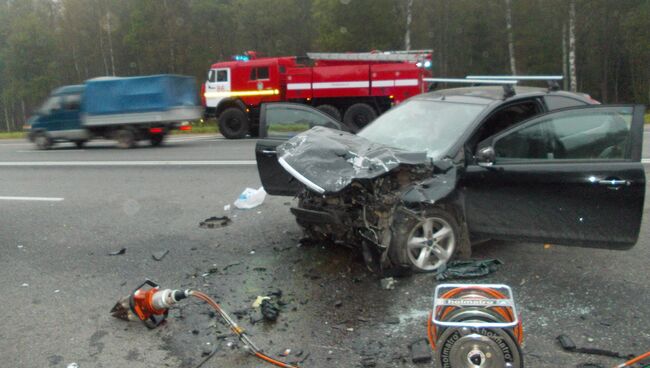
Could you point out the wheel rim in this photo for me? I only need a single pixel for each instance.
(430, 244)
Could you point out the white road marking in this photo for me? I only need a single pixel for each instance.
(48, 151)
(48, 199)
(131, 163)
(645, 160)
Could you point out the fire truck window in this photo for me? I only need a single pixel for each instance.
(211, 76)
(263, 73)
(253, 74)
(283, 69)
(222, 76)
(285, 122)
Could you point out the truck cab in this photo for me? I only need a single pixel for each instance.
(59, 118)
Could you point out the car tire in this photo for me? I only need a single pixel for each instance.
(42, 141)
(233, 123)
(414, 243)
(156, 139)
(331, 111)
(125, 138)
(359, 115)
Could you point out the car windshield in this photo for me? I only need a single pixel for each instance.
(423, 125)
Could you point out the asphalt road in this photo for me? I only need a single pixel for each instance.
(58, 283)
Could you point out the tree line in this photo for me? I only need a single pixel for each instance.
(602, 46)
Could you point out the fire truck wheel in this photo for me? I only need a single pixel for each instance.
(331, 111)
(359, 115)
(233, 123)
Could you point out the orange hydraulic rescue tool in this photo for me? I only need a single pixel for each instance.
(150, 305)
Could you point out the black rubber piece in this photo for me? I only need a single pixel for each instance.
(180, 295)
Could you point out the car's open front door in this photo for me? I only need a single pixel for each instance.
(278, 123)
(571, 177)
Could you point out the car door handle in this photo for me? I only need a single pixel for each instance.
(269, 152)
(613, 182)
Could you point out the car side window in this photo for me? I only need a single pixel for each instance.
(507, 117)
(582, 134)
(287, 122)
(554, 102)
(72, 102)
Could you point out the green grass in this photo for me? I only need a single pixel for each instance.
(13, 135)
(207, 127)
(647, 118)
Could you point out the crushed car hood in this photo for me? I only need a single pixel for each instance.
(327, 160)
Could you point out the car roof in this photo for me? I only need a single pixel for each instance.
(488, 94)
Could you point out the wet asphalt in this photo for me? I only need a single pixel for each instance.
(58, 281)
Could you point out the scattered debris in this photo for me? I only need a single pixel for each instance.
(568, 345)
(20, 246)
(215, 222)
(589, 365)
(420, 351)
(226, 207)
(467, 269)
(285, 353)
(73, 365)
(117, 253)
(25, 284)
(258, 302)
(158, 256)
(388, 283)
(368, 362)
(250, 198)
(269, 311)
(338, 303)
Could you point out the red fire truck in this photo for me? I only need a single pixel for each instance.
(351, 87)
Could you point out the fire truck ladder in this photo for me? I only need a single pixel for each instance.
(409, 56)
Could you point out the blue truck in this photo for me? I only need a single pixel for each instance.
(125, 109)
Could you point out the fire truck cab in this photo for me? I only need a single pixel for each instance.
(351, 87)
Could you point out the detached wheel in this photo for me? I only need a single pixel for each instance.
(359, 115)
(156, 139)
(233, 123)
(331, 111)
(125, 138)
(42, 141)
(427, 243)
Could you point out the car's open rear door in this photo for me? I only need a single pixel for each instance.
(278, 123)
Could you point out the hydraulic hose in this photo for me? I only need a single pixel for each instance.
(241, 334)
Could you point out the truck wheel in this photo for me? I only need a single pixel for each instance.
(331, 111)
(233, 123)
(125, 138)
(42, 141)
(425, 244)
(79, 144)
(359, 115)
(156, 139)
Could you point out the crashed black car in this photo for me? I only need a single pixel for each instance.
(444, 169)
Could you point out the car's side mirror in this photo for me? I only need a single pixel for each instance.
(485, 156)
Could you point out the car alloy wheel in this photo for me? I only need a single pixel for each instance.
(430, 244)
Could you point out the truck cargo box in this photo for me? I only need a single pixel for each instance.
(135, 100)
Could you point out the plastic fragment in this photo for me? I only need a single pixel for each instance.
(117, 252)
(250, 198)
